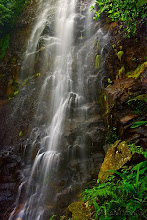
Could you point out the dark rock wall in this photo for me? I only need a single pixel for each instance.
(10, 141)
(127, 72)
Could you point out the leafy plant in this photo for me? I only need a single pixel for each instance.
(53, 217)
(142, 97)
(136, 149)
(138, 104)
(20, 134)
(126, 11)
(112, 136)
(4, 44)
(138, 124)
(9, 12)
(123, 196)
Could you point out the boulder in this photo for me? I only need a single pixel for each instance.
(78, 211)
(116, 156)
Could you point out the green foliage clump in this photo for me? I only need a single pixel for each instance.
(121, 197)
(138, 124)
(20, 134)
(138, 104)
(9, 12)
(97, 61)
(4, 44)
(53, 217)
(136, 149)
(112, 136)
(127, 11)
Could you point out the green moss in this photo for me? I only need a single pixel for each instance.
(121, 73)
(98, 46)
(20, 134)
(97, 61)
(38, 74)
(142, 97)
(120, 54)
(112, 136)
(137, 106)
(109, 80)
(137, 72)
(4, 44)
(78, 211)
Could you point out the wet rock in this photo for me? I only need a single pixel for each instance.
(9, 180)
(115, 158)
(127, 119)
(78, 211)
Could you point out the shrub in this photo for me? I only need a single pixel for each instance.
(127, 11)
(123, 196)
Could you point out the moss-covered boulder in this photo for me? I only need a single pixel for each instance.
(116, 156)
(78, 211)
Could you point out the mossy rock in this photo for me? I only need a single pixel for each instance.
(116, 156)
(78, 210)
(138, 71)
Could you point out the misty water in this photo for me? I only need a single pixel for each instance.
(67, 130)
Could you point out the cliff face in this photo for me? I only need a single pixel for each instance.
(10, 65)
(124, 96)
(127, 78)
(10, 147)
(17, 114)
(123, 106)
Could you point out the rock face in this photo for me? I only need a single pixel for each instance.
(10, 65)
(126, 67)
(9, 180)
(10, 142)
(116, 156)
(83, 138)
(77, 211)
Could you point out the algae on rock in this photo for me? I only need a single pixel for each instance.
(79, 211)
(116, 156)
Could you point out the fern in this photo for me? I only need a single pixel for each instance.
(120, 197)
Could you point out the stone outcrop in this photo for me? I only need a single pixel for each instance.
(10, 65)
(10, 140)
(78, 211)
(116, 156)
(127, 73)
(10, 176)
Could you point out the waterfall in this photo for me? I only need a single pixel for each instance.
(62, 50)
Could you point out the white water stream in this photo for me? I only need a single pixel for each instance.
(61, 90)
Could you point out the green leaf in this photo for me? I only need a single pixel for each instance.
(141, 3)
(138, 124)
(16, 92)
(142, 97)
(137, 177)
(140, 165)
(20, 134)
(118, 173)
(133, 205)
(129, 187)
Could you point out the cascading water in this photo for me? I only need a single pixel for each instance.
(66, 120)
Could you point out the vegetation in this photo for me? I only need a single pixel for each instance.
(112, 136)
(122, 196)
(130, 12)
(138, 104)
(9, 12)
(136, 149)
(138, 124)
